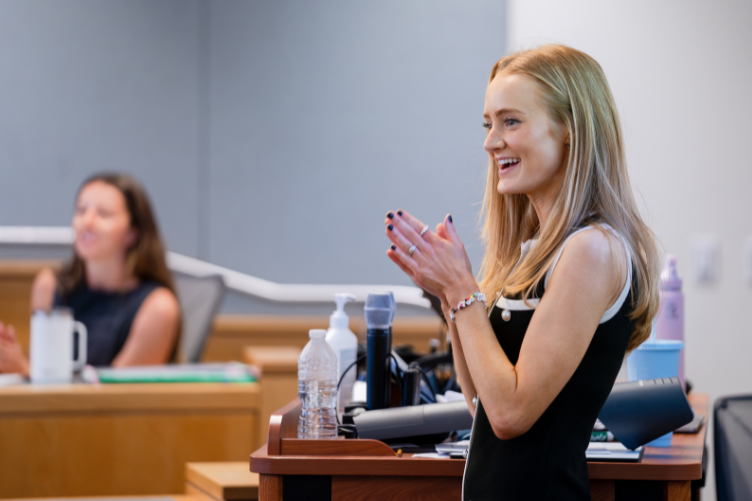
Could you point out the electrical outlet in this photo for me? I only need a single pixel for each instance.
(706, 257)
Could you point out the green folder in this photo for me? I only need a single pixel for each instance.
(186, 373)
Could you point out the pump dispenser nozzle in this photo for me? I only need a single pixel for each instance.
(339, 319)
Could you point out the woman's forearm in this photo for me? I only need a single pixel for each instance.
(460, 364)
(485, 364)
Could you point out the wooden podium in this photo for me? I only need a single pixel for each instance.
(291, 468)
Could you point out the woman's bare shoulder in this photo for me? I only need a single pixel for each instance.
(161, 304)
(154, 330)
(596, 250)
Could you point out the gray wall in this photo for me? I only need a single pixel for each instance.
(90, 85)
(325, 115)
(272, 136)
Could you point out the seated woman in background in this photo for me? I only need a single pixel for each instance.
(117, 283)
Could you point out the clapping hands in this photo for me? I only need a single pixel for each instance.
(436, 261)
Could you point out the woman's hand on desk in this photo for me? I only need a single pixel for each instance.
(439, 263)
(12, 358)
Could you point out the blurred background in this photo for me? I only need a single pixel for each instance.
(274, 136)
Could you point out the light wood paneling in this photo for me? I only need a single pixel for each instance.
(230, 480)
(273, 359)
(79, 440)
(279, 378)
(79, 398)
(160, 497)
(116, 454)
(232, 333)
(16, 279)
(198, 494)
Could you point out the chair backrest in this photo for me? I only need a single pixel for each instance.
(199, 299)
(732, 438)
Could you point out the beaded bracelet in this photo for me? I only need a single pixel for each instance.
(478, 296)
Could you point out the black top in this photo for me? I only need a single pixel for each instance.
(108, 317)
(548, 461)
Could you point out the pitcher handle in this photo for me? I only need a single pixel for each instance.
(78, 364)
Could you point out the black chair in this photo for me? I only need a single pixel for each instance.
(732, 438)
(199, 298)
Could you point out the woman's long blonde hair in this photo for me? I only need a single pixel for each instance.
(596, 186)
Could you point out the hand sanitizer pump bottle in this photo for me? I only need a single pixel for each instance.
(670, 320)
(345, 345)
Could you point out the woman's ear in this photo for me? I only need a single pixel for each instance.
(131, 239)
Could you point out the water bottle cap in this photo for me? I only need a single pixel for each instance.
(317, 333)
(670, 280)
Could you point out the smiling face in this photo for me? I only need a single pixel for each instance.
(525, 143)
(102, 223)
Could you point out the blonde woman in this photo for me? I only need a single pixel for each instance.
(570, 276)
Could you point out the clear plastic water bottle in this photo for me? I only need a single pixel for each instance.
(317, 388)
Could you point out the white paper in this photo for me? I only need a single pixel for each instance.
(433, 455)
(359, 391)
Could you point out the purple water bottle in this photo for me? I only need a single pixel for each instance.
(670, 321)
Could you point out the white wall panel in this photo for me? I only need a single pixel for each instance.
(680, 72)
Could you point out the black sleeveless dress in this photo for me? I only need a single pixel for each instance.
(108, 317)
(548, 461)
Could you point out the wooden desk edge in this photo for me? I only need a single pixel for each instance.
(262, 463)
(24, 399)
(124, 497)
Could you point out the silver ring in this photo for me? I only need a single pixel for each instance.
(424, 230)
(411, 250)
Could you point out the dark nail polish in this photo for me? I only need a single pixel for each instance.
(390, 227)
(390, 215)
(394, 248)
(399, 212)
(450, 218)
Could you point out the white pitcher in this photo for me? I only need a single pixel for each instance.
(51, 348)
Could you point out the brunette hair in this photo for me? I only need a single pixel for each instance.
(146, 258)
(596, 186)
